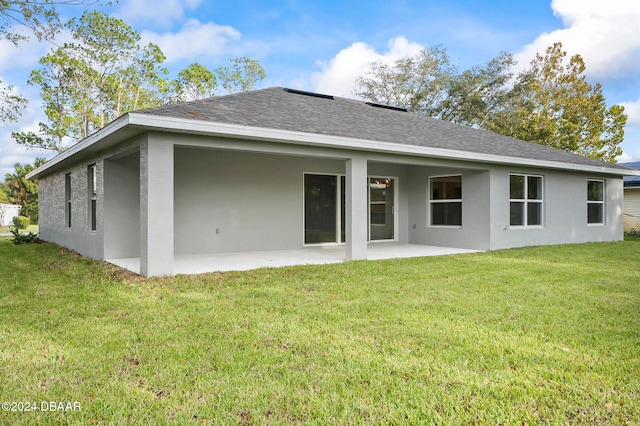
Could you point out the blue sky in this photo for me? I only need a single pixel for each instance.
(323, 46)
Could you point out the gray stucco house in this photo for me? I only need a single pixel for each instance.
(282, 169)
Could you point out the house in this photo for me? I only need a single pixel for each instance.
(8, 212)
(632, 199)
(279, 170)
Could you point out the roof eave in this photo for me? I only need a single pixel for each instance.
(303, 138)
(109, 135)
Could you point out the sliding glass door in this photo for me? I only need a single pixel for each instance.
(324, 209)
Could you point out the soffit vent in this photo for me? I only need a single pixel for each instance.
(395, 108)
(305, 93)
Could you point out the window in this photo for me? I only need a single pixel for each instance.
(595, 202)
(67, 199)
(93, 190)
(445, 200)
(525, 200)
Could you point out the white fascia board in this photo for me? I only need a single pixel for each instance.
(107, 130)
(181, 125)
(303, 138)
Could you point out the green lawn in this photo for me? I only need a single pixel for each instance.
(30, 228)
(547, 335)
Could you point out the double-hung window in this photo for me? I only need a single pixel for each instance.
(525, 200)
(93, 191)
(595, 202)
(445, 200)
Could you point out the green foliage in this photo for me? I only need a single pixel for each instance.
(105, 72)
(41, 19)
(552, 104)
(4, 196)
(11, 103)
(21, 222)
(18, 238)
(23, 191)
(193, 82)
(241, 76)
(86, 84)
(428, 84)
(549, 103)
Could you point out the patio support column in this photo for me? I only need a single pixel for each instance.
(156, 206)
(356, 209)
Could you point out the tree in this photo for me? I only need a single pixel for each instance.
(39, 18)
(23, 191)
(552, 104)
(11, 104)
(194, 82)
(428, 84)
(417, 83)
(86, 84)
(241, 76)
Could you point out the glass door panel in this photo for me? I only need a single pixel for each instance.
(320, 209)
(381, 209)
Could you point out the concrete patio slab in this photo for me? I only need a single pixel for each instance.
(197, 264)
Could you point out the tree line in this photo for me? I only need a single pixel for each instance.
(549, 102)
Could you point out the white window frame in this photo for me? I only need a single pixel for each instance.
(452, 200)
(601, 202)
(395, 209)
(526, 202)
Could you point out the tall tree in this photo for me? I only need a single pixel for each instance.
(194, 82)
(549, 103)
(23, 191)
(428, 84)
(39, 18)
(417, 83)
(552, 104)
(242, 75)
(86, 84)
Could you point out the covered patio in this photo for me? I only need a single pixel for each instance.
(316, 255)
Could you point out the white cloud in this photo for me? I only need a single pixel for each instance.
(195, 40)
(150, 11)
(338, 75)
(605, 33)
(632, 109)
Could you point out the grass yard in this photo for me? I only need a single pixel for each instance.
(544, 335)
(30, 228)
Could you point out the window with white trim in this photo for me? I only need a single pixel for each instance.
(445, 200)
(595, 202)
(93, 191)
(67, 200)
(525, 200)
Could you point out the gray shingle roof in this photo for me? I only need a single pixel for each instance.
(279, 108)
(631, 180)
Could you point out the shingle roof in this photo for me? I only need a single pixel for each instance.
(631, 180)
(286, 109)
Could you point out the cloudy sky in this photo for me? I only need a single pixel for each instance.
(323, 46)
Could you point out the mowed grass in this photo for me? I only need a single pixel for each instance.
(543, 335)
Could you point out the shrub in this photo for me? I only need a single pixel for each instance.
(19, 238)
(21, 222)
